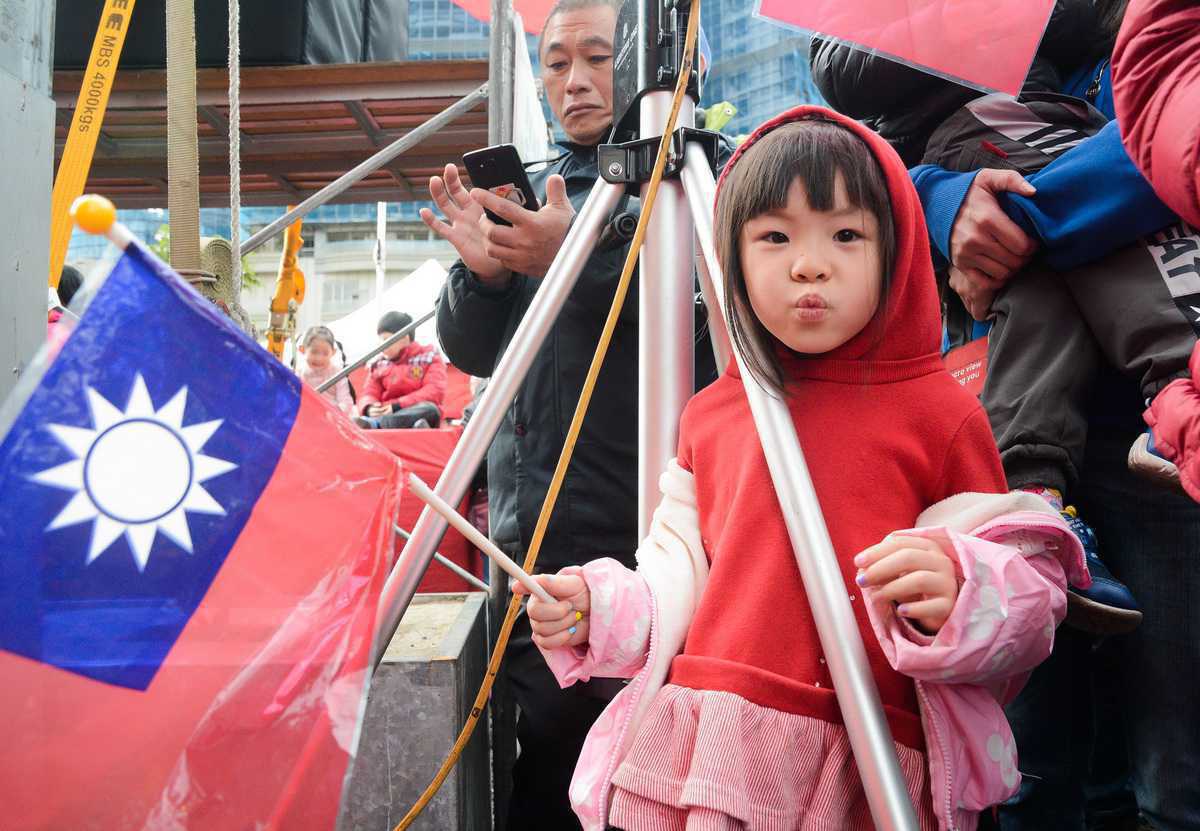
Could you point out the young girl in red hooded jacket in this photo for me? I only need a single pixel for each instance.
(730, 720)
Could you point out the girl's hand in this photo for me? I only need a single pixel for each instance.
(914, 572)
(564, 623)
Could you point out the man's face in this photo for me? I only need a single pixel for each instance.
(576, 58)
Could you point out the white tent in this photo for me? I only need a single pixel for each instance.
(414, 295)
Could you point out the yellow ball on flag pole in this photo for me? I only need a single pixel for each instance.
(94, 213)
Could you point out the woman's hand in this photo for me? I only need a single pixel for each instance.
(916, 573)
(564, 623)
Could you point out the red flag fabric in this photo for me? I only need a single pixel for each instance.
(425, 454)
(201, 665)
(533, 12)
(986, 43)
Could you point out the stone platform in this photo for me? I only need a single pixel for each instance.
(420, 698)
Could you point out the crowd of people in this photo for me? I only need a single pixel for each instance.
(858, 244)
(1020, 565)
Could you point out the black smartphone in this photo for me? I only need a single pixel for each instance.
(499, 169)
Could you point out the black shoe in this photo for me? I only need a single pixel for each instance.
(1107, 607)
(421, 424)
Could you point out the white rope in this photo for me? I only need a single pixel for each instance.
(235, 142)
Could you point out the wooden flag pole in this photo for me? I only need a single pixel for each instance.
(426, 495)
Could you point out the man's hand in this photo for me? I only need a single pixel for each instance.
(976, 292)
(461, 226)
(377, 410)
(984, 243)
(914, 572)
(529, 246)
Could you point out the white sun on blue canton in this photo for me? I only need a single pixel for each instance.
(137, 472)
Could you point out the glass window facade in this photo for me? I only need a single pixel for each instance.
(758, 66)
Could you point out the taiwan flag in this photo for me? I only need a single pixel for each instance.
(984, 43)
(191, 551)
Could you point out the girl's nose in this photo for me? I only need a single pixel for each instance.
(807, 268)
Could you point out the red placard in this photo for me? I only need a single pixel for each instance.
(533, 12)
(967, 364)
(987, 43)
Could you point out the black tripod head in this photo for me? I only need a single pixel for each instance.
(649, 48)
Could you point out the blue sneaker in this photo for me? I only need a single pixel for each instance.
(1145, 461)
(1107, 607)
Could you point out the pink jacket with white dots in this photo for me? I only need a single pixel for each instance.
(1014, 555)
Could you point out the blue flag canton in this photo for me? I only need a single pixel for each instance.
(129, 475)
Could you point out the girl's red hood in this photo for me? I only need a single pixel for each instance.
(907, 328)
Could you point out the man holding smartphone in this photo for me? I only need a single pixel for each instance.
(486, 295)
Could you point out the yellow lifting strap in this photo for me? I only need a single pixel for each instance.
(85, 127)
(585, 398)
(289, 291)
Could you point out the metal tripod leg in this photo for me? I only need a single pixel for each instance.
(666, 319)
(841, 641)
(506, 380)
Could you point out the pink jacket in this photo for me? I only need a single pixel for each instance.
(339, 393)
(1015, 556)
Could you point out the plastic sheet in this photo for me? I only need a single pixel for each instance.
(202, 667)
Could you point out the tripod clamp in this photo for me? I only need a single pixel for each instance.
(630, 163)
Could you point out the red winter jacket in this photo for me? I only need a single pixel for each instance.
(417, 374)
(1156, 88)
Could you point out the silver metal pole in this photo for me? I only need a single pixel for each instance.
(666, 337)
(450, 564)
(699, 188)
(344, 182)
(841, 641)
(506, 380)
(353, 365)
(380, 255)
(503, 707)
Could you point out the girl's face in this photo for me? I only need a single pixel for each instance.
(813, 277)
(318, 354)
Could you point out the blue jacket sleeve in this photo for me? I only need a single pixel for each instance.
(942, 193)
(1090, 201)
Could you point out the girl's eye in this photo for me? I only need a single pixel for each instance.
(775, 238)
(847, 235)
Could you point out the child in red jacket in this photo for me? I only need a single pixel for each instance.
(405, 387)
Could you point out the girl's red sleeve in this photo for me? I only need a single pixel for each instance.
(972, 462)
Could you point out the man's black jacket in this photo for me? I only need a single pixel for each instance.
(596, 512)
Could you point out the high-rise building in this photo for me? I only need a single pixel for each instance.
(758, 66)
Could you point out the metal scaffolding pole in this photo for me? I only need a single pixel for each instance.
(346, 180)
(503, 708)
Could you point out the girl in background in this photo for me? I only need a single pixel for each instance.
(319, 347)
